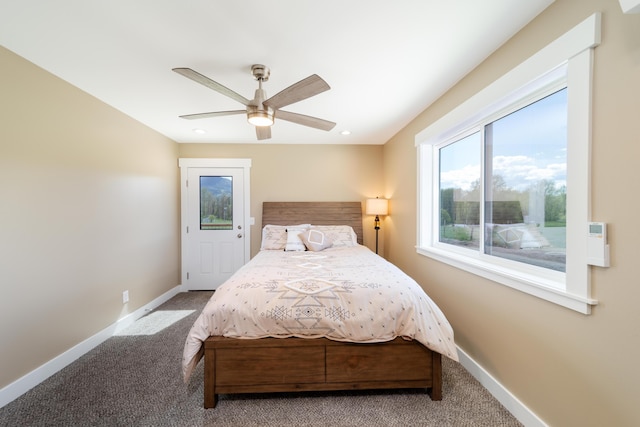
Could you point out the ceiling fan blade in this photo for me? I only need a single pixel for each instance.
(304, 89)
(301, 119)
(206, 81)
(213, 114)
(263, 132)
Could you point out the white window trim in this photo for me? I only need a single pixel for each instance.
(575, 50)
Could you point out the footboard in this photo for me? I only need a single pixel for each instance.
(295, 364)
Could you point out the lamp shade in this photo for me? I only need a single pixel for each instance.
(377, 206)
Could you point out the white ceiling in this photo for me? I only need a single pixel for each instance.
(385, 61)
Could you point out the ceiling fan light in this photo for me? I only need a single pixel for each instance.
(260, 118)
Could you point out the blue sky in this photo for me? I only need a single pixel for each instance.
(529, 146)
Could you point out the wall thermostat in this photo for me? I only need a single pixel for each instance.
(597, 247)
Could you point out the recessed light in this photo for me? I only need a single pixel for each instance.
(199, 131)
(345, 132)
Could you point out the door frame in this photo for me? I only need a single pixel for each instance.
(188, 163)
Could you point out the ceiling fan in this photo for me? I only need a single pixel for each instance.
(262, 111)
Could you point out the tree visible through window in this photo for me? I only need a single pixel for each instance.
(216, 203)
(515, 169)
(460, 192)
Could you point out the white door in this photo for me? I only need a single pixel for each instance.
(215, 230)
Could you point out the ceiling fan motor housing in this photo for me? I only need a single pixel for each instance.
(260, 72)
(257, 113)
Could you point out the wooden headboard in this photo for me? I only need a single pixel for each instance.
(316, 213)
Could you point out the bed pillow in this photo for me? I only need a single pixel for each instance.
(315, 240)
(294, 243)
(274, 238)
(340, 235)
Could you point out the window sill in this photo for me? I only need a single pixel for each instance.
(529, 284)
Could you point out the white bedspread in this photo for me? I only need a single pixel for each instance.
(343, 293)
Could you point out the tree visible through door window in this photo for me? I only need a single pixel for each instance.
(216, 203)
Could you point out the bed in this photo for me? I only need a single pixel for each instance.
(331, 315)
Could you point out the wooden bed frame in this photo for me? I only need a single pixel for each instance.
(297, 364)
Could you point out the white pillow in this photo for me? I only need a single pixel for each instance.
(340, 235)
(274, 237)
(294, 243)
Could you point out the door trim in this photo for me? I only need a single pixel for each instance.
(187, 163)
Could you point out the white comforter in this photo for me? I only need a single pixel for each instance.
(343, 293)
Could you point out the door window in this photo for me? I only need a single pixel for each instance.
(216, 203)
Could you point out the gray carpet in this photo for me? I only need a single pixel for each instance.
(134, 379)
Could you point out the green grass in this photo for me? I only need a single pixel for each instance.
(455, 233)
(555, 224)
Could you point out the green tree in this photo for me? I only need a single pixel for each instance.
(555, 202)
(446, 205)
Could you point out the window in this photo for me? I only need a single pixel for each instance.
(525, 184)
(523, 193)
(216, 202)
(504, 178)
(459, 192)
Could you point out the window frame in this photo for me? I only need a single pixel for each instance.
(542, 73)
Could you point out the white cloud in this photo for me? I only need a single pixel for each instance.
(461, 178)
(519, 173)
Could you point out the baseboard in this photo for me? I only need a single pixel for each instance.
(504, 396)
(35, 377)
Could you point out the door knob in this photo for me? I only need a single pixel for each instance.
(239, 235)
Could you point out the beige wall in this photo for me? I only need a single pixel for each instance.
(88, 208)
(332, 173)
(570, 369)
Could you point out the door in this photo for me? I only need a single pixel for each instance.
(215, 227)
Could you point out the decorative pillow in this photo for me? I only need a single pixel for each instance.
(274, 237)
(315, 240)
(294, 243)
(340, 235)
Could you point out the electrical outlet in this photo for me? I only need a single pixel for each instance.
(125, 297)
